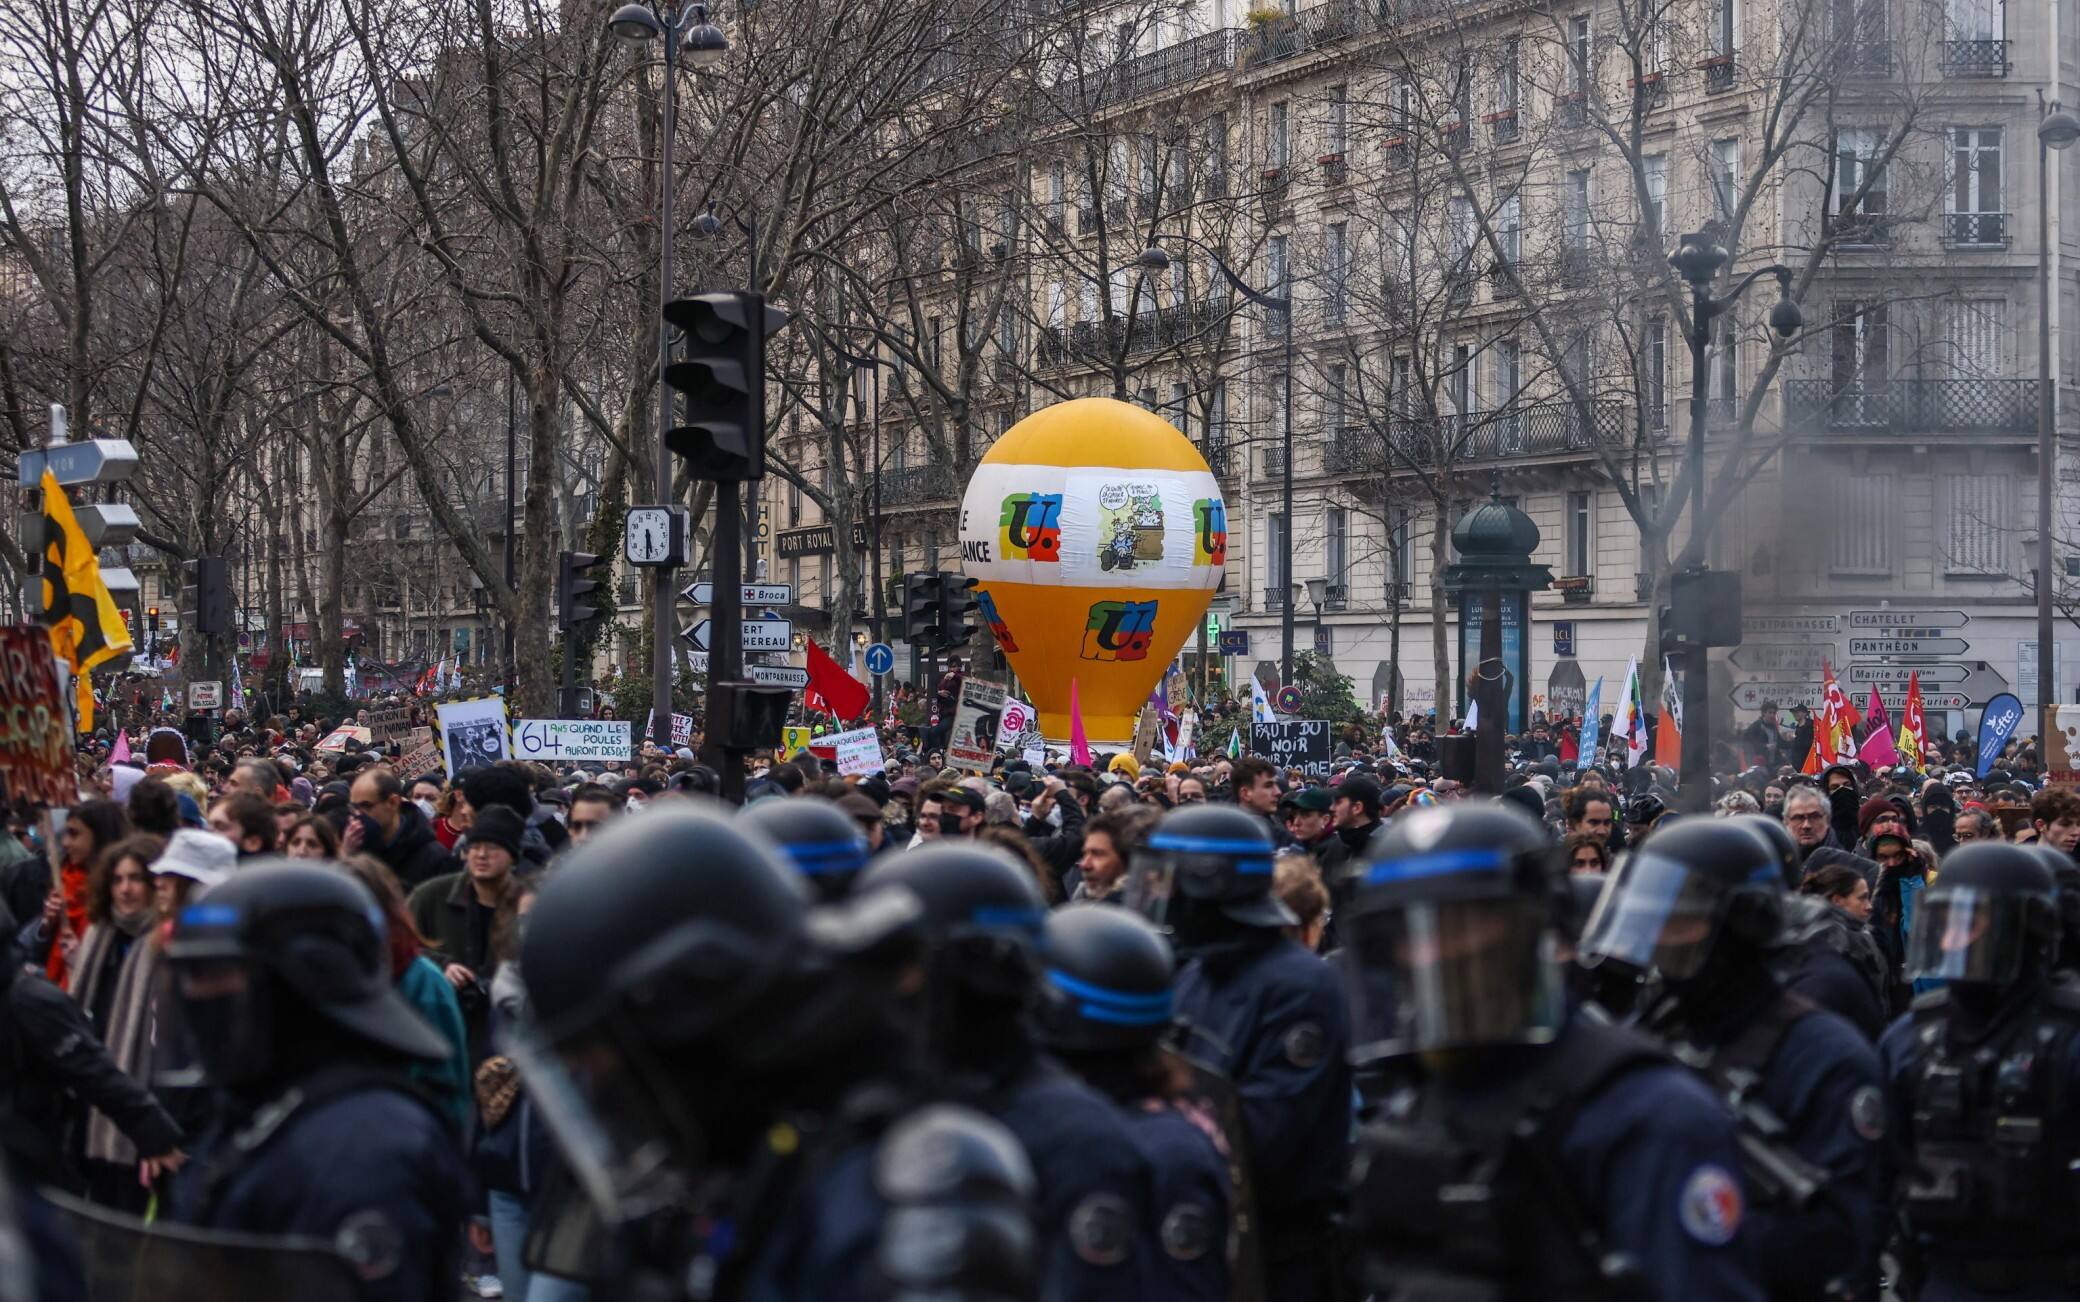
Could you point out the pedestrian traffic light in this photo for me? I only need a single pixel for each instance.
(956, 600)
(722, 377)
(921, 625)
(572, 587)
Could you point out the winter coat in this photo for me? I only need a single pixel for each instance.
(413, 852)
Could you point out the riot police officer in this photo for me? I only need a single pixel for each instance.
(1265, 1013)
(983, 934)
(1702, 906)
(1981, 1075)
(725, 1084)
(2065, 875)
(1105, 1005)
(827, 848)
(283, 979)
(1824, 956)
(1535, 1153)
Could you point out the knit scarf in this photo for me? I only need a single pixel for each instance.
(128, 1035)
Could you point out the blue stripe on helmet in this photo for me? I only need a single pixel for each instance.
(1207, 844)
(208, 915)
(1432, 865)
(815, 858)
(1118, 1007)
(1010, 917)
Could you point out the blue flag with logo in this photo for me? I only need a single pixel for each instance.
(1996, 724)
(1592, 719)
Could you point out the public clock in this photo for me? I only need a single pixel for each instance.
(655, 535)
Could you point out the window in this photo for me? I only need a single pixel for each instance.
(1398, 559)
(1726, 27)
(1116, 179)
(1280, 279)
(1462, 91)
(1581, 533)
(1508, 79)
(1399, 251)
(1509, 229)
(794, 504)
(1275, 557)
(1336, 130)
(1725, 178)
(1336, 260)
(1859, 184)
(1973, 331)
(1653, 372)
(1462, 229)
(1057, 305)
(1975, 186)
(1459, 387)
(1280, 141)
(1217, 421)
(1178, 411)
(1338, 564)
(1578, 50)
(1334, 391)
(1977, 507)
(1151, 172)
(1861, 364)
(1726, 368)
(1654, 174)
(1650, 496)
(1215, 153)
(1505, 380)
(1576, 217)
(1404, 103)
(1859, 529)
(1057, 193)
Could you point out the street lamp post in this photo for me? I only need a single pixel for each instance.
(2058, 130)
(703, 45)
(1154, 259)
(1318, 593)
(1698, 260)
(877, 606)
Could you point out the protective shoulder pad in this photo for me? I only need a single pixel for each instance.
(959, 1190)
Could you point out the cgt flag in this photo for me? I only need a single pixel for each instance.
(86, 627)
(1913, 728)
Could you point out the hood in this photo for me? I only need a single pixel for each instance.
(166, 746)
(412, 832)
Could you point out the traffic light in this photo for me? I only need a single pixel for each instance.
(956, 600)
(206, 595)
(722, 376)
(572, 587)
(921, 626)
(151, 619)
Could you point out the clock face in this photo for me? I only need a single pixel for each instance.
(648, 536)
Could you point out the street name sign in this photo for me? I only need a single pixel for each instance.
(702, 593)
(1871, 619)
(1908, 646)
(758, 635)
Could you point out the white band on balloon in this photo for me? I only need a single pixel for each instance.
(1093, 526)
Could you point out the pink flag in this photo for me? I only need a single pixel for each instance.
(1079, 744)
(1878, 749)
(122, 748)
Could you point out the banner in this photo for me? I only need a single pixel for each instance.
(573, 741)
(973, 742)
(2062, 748)
(36, 745)
(1303, 744)
(859, 753)
(1996, 724)
(473, 733)
(1592, 722)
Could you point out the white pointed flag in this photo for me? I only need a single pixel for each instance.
(1259, 702)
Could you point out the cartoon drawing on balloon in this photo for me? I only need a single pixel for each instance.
(1130, 525)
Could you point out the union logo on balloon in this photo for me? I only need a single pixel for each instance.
(1097, 535)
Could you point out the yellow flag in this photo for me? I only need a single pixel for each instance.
(793, 741)
(86, 627)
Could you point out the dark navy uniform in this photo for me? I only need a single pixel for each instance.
(1984, 1138)
(1271, 1017)
(1191, 1200)
(364, 1165)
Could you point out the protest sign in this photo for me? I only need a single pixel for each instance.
(794, 739)
(35, 726)
(859, 753)
(421, 755)
(974, 739)
(385, 723)
(682, 728)
(573, 741)
(473, 733)
(1294, 744)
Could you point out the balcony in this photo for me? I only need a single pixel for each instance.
(1275, 597)
(916, 485)
(1859, 230)
(1148, 74)
(1275, 462)
(1144, 333)
(1974, 58)
(1650, 92)
(1532, 430)
(1976, 230)
(1456, 137)
(1571, 110)
(1504, 126)
(1718, 73)
(1291, 35)
(1977, 406)
(1334, 170)
(1217, 456)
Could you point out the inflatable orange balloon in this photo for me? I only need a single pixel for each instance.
(1096, 534)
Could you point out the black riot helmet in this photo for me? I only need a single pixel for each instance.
(670, 969)
(1456, 926)
(1107, 981)
(1790, 859)
(2065, 874)
(276, 947)
(826, 847)
(983, 913)
(1989, 918)
(1703, 889)
(1203, 863)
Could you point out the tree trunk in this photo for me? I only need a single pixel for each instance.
(1440, 643)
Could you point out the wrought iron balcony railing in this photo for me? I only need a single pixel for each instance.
(1980, 57)
(1976, 230)
(1530, 430)
(1291, 35)
(915, 485)
(1970, 406)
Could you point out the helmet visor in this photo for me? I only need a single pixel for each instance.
(1968, 935)
(604, 1121)
(1151, 888)
(1442, 974)
(1656, 914)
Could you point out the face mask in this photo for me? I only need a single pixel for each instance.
(633, 805)
(426, 807)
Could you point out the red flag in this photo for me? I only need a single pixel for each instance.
(844, 696)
